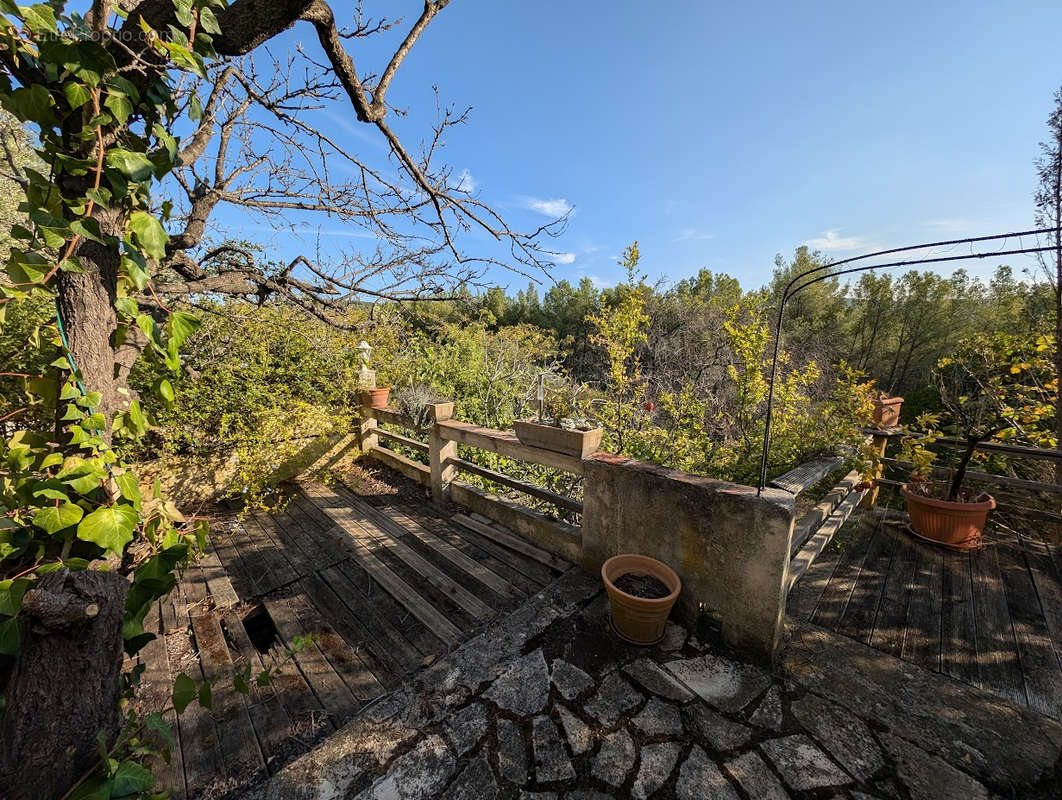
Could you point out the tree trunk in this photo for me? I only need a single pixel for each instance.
(64, 687)
(86, 304)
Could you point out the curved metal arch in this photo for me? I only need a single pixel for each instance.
(830, 271)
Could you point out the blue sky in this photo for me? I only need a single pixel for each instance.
(721, 134)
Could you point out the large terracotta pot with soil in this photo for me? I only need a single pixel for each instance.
(641, 591)
(376, 397)
(957, 524)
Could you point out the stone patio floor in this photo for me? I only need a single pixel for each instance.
(548, 704)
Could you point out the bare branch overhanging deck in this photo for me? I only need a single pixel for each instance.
(991, 618)
(385, 583)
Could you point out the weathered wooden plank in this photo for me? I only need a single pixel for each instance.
(1039, 665)
(399, 524)
(400, 590)
(482, 550)
(268, 715)
(890, 625)
(389, 416)
(413, 470)
(156, 685)
(958, 637)
(345, 660)
(535, 491)
(548, 534)
(804, 527)
(321, 549)
(217, 579)
(922, 643)
(808, 474)
(257, 565)
(1046, 580)
(506, 444)
(241, 756)
(999, 667)
(405, 441)
(270, 549)
(230, 559)
(395, 637)
(868, 592)
(378, 539)
(513, 542)
(814, 546)
(332, 693)
(198, 737)
(834, 601)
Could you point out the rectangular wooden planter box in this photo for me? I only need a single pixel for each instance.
(560, 440)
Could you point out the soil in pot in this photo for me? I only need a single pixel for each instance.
(645, 586)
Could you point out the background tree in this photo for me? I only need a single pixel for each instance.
(1049, 215)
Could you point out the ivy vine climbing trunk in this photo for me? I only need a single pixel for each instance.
(64, 689)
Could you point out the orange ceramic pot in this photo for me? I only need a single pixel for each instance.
(375, 398)
(952, 524)
(639, 620)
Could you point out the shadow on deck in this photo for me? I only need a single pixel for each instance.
(990, 618)
(384, 583)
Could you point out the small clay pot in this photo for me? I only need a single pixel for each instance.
(639, 620)
(375, 398)
(952, 524)
(887, 411)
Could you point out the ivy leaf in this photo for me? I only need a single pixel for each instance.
(111, 527)
(32, 103)
(208, 22)
(206, 697)
(128, 486)
(76, 94)
(53, 519)
(165, 390)
(131, 778)
(10, 636)
(39, 18)
(148, 231)
(184, 692)
(182, 325)
(135, 166)
(11, 592)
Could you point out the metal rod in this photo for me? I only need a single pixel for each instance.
(832, 272)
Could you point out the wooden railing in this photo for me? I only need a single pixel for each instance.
(440, 475)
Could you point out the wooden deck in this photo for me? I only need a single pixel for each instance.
(991, 618)
(385, 584)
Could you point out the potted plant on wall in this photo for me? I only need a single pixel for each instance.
(886, 410)
(990, 389)
(369, 394)
(560, 427)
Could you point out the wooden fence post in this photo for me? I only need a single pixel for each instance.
(367, 437)
(441, 454)
(870, 499)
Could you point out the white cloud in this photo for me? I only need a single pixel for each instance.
(692, 234)
(601, 283)
(466, 183)
(557, 207)
(831, 241)
(563, 258)
(952, 225)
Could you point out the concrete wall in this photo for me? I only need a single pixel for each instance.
(730, 547)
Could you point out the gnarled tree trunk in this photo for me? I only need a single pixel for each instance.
(64, 688)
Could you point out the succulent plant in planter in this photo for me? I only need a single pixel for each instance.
(560, 427)
(415, 402)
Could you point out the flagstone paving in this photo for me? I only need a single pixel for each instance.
(549, 705)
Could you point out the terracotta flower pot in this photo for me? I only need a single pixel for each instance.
(956, 525)
(887, 411)
(560, 440)
(639, 620)
(375, 398)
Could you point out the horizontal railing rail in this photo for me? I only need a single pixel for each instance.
(440, 474)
